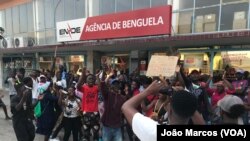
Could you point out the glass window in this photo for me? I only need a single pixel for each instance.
(40, 38)
(8, 29)
(40, 15)
(50, 37)
(201, 3)
(69, 9)
(184, 22)
(28, 63)
(49, 13)
(182, 4)
(234, 16)
(228, 1)
(159, 2)
(2, 19)
(139, 4)
(30, 17)
(107, 6)
(123, 5)
(59, 10)
(80, 9)
(206, 19)
(18, 62)
(23, 19)
(15, 18)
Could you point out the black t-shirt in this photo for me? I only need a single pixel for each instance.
(26, 112)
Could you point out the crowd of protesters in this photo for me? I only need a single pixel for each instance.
(107, 105)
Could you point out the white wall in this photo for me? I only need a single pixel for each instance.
(1, 72)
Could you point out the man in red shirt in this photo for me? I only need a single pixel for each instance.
(91, 116)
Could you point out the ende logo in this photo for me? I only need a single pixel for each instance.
(69, 31)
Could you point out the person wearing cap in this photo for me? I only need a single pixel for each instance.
(112, 116)
(181, 108)
(232, 108)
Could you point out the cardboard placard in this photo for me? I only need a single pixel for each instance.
(162, 66)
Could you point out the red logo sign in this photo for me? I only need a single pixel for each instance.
(153, 21)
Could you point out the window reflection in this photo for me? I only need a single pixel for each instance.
(107, 6)
(49, 13)
(2, 18)
(30, 17)
(8, 30)
(40, 38)
(23, 19)
(229, 1)
(39, 15)
(159, 2)
(59, 10)
(15, 18)
(50, 37)
(139, 4)
(124, 5)
(69, 10)
(80, 9)
(201, 3)
(234, 16)
(183, 4)
(185, 22)
(209, 17)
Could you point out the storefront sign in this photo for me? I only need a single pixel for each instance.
(162, 66)
(144, 22)
(70, 30)
(237, 59)
(193, 61)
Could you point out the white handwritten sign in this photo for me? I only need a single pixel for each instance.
(162, 65)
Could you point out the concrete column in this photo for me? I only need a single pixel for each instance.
(170, 2)
(93, 8)
(90, 61)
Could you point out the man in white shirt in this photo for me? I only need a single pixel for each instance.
(182, 107)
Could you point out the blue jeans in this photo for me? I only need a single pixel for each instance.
(111, 134)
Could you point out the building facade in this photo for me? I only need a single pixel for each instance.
(206, 29)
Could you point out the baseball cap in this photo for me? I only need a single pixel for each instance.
(228, 102)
